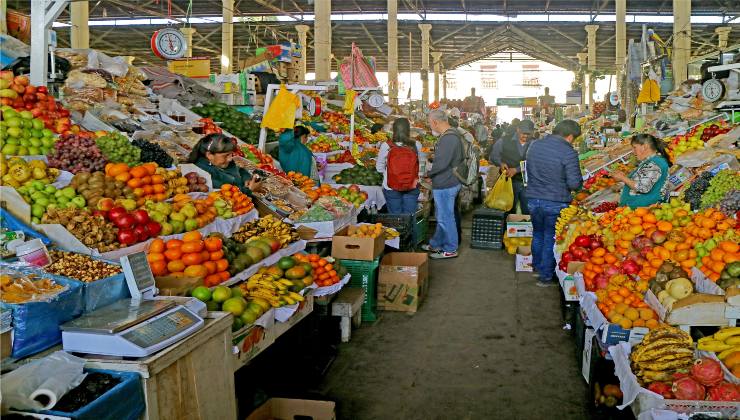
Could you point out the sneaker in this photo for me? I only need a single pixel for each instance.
(546, 284)
(428, 248)
(439, 255)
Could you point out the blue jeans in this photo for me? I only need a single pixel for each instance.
(401, 202)
(520, 197)
(544, 215)
(445, 235)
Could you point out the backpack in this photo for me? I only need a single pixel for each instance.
(402, 167)
(467, 170)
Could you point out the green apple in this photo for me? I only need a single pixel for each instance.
(37, 210)
(62, 201)
(78, 201)
(69, 192)
(166, 229)
(157, 216)
(177, 217)
(191, 224)
(42, 201)
(177, 226)
(9, 149)
(128, 204)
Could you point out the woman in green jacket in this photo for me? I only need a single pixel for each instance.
(214, 154)
(294, 155)
(644, 185)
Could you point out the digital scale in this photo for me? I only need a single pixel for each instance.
(135, 327)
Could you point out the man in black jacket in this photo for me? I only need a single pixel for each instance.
(508, 153)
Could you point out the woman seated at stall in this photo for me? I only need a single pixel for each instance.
(294, 155)
(644, 185)
(214, 154)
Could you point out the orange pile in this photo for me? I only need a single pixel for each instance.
(324, 190)
(323, 271)
(142, 179)
(190, 257)
(240, 202)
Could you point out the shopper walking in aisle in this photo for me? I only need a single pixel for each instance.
(294, 155)
(508, 153)
(552, 173)
(470, 140)
(398, 161)
(644, 185)
(448, 154)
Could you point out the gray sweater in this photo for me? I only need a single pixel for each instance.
(447, 155)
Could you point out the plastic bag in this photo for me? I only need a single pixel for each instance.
(501, 196)
(282, 110)
(40, 384)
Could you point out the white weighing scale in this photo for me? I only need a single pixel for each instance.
(135, 327)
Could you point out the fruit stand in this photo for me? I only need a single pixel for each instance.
(655, 285)
(85, 185)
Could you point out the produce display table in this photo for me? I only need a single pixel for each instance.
(374, 194)
(190, 379)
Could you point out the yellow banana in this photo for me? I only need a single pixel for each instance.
(734, 340)
(726, 333)
(723, 355)
(297, 296)
(286, 282)
(713, 345)
(288, 300)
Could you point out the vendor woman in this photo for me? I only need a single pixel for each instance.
(294, 155)
(644, 186)
(214, 154)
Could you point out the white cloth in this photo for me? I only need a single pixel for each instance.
(381, 162)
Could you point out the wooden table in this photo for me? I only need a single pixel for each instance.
(190, 380)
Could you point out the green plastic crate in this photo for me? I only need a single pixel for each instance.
(365, 274)
(422, 230)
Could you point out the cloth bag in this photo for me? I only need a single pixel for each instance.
(281, 113)
(501, 196)
(357, 72)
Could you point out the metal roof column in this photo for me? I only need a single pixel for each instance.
(621, 35)
(583, 61)
(322, 39)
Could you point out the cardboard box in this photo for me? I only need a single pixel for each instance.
(288, 409)
(519, 226)
(6, 344)
(345, 247)
(403, 281)
(177, 286)
(523, 260)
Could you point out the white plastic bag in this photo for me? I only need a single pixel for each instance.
(41, 383)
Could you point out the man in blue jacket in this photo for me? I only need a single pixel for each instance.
(552, 173)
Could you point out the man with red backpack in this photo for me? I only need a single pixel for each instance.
(398, 161)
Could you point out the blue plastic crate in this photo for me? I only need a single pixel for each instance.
(124, 401)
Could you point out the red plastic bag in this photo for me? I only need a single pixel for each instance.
(357, 72)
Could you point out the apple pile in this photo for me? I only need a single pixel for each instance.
(695, 138)
(21, 134)
(353, 194)
(43, 196)
(580, 250)
(133, 227)
(21, 95)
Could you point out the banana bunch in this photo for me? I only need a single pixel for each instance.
(390, 233)
(565, 216)
(724, 342)
(663, 351)
(267, 226)
(273, 290)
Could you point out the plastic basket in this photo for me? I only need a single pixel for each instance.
(422, 230)
(403, 223)
(488, 229)
(644, 402)
(125, 401)
(365, 274)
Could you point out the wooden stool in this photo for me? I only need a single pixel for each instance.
(347, 305)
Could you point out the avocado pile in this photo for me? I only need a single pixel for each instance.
(359, 175)
(233, 121)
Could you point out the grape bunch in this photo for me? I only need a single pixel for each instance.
(605, 207)
(693, 194)
(75, 154)
(151, 152)
(722, 183)
(731, 203)
(117, 148)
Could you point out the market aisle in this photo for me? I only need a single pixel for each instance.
(487, 343)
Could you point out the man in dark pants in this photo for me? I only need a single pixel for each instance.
(508, 153)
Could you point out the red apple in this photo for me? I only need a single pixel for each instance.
(142, 234)
(127, 236)
(117, 212)
(153, 228)
(141, 217)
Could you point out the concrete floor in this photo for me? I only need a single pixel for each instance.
(486, 344)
